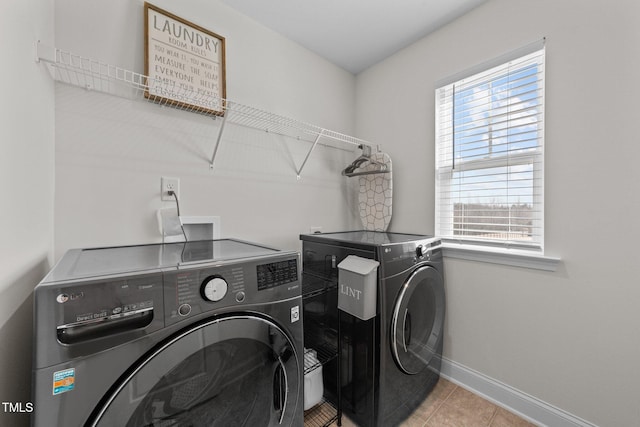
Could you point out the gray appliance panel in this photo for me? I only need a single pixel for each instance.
(363, 238)
(248, 282)
(96, 373)
(391, 393)
(81, 318)
(400, 258)
(105, 341)
(397, 252)
(94, 262)
(322, 259)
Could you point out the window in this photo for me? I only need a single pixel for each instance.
(489, 153)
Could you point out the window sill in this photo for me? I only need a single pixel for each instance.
(512, 257)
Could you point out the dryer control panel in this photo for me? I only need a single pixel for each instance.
(398, 258)
(198, 289)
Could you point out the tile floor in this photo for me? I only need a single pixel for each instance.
(451, 406)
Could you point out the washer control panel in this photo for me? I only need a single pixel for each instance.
(103, 308)
(107, 300)
(197, 289)
(275, 274)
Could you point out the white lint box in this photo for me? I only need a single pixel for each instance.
(357, 286)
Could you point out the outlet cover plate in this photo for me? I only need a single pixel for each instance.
(167, 184)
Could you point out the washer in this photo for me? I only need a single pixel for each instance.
(391, 362)
(203, 333)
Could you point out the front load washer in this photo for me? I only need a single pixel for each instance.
(205, 333)
(391, 362)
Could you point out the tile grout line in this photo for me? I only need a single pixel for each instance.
(493, 417)
(440, 405)
(444, 402)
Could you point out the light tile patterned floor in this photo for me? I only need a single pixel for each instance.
(451, 406)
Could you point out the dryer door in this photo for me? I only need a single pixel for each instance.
(418, 316)
(236, 370)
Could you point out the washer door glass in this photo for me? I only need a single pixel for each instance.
(416, 325)
(233, 371)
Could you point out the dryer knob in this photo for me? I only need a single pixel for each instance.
(214, 288)
(419, 251)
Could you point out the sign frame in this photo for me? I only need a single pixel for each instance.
(183, 62)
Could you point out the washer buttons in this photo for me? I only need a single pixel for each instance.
(240, 296)
(184, 310)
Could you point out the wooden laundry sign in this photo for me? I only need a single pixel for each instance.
(184, 63)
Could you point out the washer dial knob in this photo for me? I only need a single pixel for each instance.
(214, 288)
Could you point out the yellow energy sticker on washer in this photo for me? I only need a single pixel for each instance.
(64, 381)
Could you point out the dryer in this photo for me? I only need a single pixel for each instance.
(202, 333)
(391, 362)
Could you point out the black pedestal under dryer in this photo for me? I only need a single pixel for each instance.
(391, 362)
(195, 334)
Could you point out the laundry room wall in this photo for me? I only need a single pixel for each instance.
(26, 205)
(111, 152)
(570, 337)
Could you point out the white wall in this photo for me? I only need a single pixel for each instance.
(111, 153)
(26, 205)
(569, 338)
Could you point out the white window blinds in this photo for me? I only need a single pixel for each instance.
(489, 154)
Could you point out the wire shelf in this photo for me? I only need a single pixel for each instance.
(320, 351)
(98, 76)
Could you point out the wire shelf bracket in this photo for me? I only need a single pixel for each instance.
(91, 74)
(218, 138)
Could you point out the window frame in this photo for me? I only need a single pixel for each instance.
(444, 175)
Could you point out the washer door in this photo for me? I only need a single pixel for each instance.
(418, 316)
(237, 370)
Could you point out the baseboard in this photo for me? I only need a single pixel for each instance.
(528, 407)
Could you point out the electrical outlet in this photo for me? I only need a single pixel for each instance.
(169, 184)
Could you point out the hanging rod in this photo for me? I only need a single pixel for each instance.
(95, 75)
